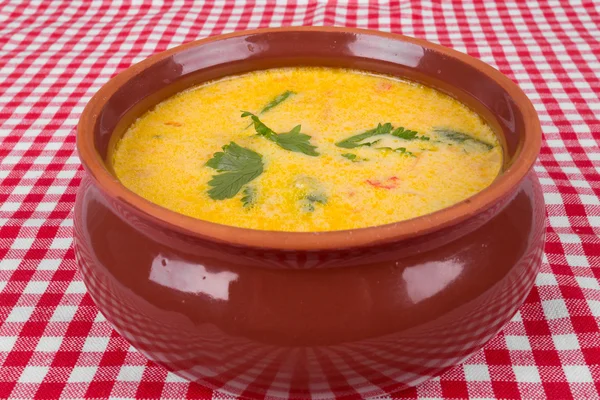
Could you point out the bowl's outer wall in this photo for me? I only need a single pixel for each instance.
(286, 323)
(382, 322)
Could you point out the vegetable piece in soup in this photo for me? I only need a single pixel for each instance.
(308, 149)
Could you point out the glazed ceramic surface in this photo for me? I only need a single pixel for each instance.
(296, 315)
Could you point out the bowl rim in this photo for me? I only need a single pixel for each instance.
(505, 184)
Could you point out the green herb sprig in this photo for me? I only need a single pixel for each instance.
(237, 166)
(400, 150)
(277, 100)
(280, 98)
(249, 196)
(459, 137)
(311, 200)
(407, 134)
(355, 141)
(381, 129)
(353, 157)
(293, 140)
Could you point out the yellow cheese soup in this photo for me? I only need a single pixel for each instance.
(308, 149)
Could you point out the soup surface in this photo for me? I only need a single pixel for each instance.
(316, 149)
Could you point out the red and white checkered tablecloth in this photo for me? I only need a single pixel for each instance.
(55, 54)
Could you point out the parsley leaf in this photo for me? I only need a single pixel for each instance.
(293, 140)
(296, 141)
(310, 192)
(317, 197)
(260, 128)
(354, 141)
(407, 134)
(280, 98)
(353, 157)
(401, 150)
(400, 132)
(216, 160)
(459, 137)
(277, 100)
(311, 200)
(236, 166)
(249, 196)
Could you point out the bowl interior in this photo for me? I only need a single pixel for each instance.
(239, 54)
(485, 90)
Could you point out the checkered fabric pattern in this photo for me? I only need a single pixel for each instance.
(55, 54)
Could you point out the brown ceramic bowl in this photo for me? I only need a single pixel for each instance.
(348, 313)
